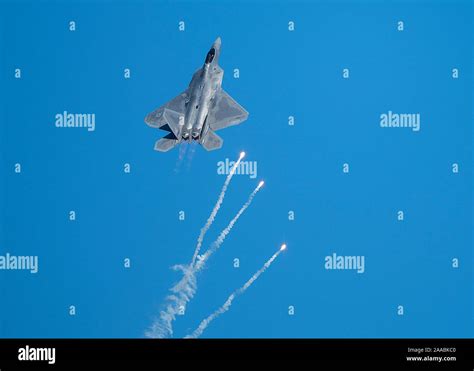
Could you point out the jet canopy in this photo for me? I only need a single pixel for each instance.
(210, 56)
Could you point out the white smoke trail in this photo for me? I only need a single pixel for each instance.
(185, 289)
(190, 155)
(226, 306)
(216, 208)
(220, 239)
(182, 152)
(182, 293)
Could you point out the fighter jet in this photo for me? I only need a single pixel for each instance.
(199, 111)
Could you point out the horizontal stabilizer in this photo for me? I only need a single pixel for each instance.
(211, 141)
(165, 144)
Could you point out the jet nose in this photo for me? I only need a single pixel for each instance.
(217, 43)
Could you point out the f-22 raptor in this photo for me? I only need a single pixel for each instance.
(199, 111)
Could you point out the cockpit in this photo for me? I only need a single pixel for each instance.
(210, 56)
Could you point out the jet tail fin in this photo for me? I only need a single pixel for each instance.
(211, 141)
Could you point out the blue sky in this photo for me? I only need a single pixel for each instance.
(282, 74)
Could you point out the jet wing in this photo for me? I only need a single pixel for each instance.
(225, 112)
(169, 116)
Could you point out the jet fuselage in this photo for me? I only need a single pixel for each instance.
(202, 90)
